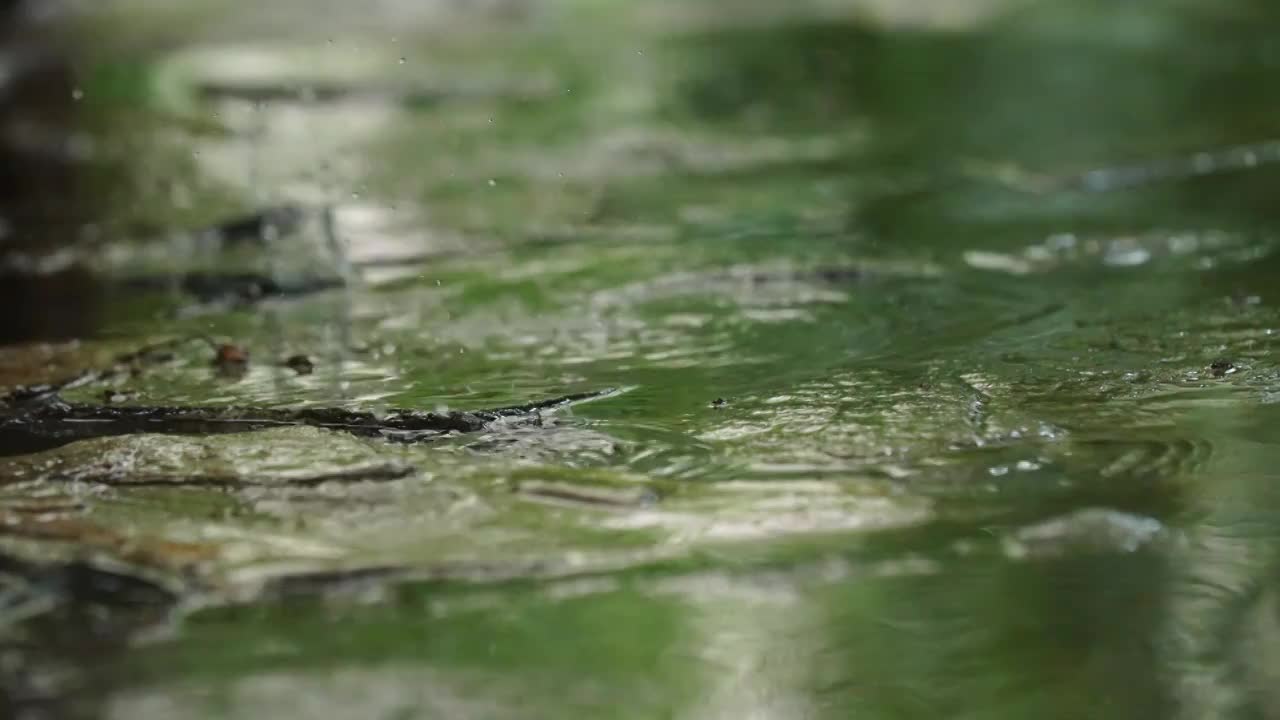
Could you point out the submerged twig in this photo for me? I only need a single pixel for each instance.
(1106, 179)
(52, 422)
(378, 473)
(599, 497)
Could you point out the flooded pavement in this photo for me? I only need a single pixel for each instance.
(563, 359)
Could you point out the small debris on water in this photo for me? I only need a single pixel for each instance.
(230, 359)
(719, 403)
(300, 364)
(1222, 367)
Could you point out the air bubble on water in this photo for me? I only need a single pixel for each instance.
(1125, 255)
(1061, 241)
(1183, 244)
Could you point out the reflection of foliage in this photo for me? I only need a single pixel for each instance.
(520, 652)
(1222, 640)
(804, 75)
(1060, 639)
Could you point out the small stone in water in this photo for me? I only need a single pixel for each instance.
(1222, 367)
(300, 364)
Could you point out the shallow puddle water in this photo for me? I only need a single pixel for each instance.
(556, 359)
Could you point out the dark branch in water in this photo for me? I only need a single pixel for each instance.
(209, 287)
(48, 422)
(248, 287)
(382, 472)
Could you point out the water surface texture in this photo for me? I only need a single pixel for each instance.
(923, 359)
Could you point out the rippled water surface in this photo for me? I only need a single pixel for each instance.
(930, 354)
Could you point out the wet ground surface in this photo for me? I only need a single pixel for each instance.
(566, 359)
